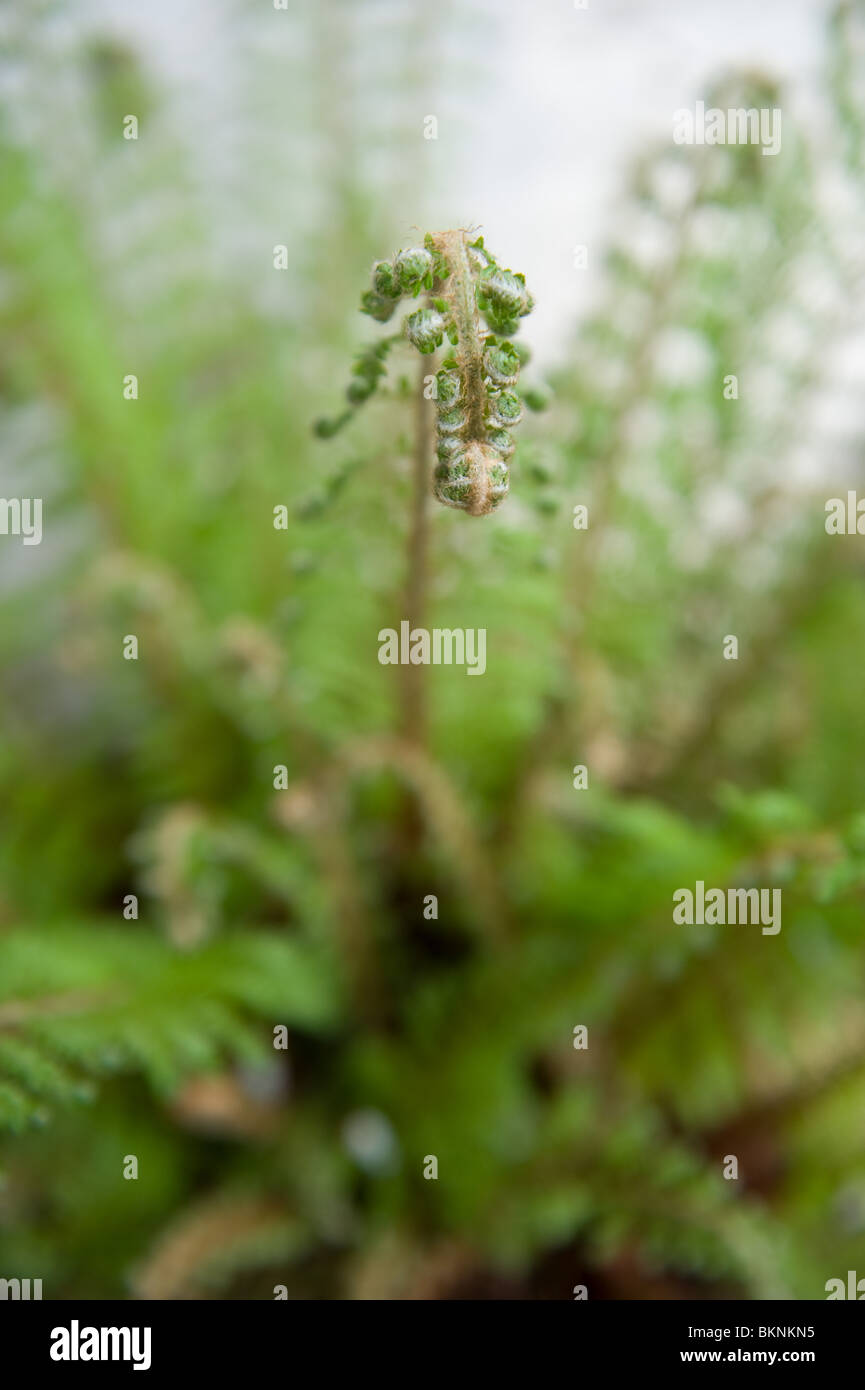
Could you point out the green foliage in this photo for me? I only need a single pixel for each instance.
(91, 1000)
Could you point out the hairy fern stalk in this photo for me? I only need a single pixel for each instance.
(477, 306)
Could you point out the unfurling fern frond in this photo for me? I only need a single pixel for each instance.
(477, 306)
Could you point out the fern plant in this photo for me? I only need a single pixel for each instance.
(102, 1004)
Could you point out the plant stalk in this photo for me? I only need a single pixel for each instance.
(413, 694)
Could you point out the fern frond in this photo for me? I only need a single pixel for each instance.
(146, 1008)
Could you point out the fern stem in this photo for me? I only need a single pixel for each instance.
(447, 820)
(459, 291)
(413, 713)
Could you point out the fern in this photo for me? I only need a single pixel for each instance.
(87, 1001)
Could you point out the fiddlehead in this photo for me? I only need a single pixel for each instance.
(476, 306)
